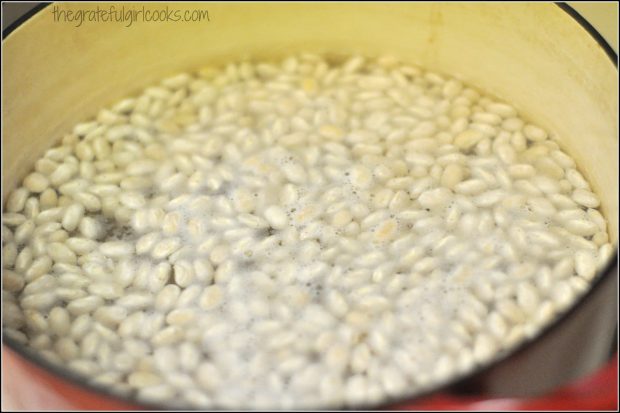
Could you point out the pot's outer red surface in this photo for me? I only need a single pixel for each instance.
(32, 387)
(585, 331)
(596, 392)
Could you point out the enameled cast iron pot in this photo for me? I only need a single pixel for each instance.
(545, 59)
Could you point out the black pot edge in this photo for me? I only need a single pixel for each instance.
(611, 53)
(76, 379)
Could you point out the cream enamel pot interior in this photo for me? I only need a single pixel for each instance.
(534, 56)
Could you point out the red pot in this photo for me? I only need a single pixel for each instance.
(541, 57)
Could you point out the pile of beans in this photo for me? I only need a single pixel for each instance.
(296, 234)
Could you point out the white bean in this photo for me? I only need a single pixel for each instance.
(116, 249)
(534, 133)
(36, 182)
(585, 264)
(17, 200)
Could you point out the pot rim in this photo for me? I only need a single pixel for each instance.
(75, 379)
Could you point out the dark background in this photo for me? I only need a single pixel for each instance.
(12, 11)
